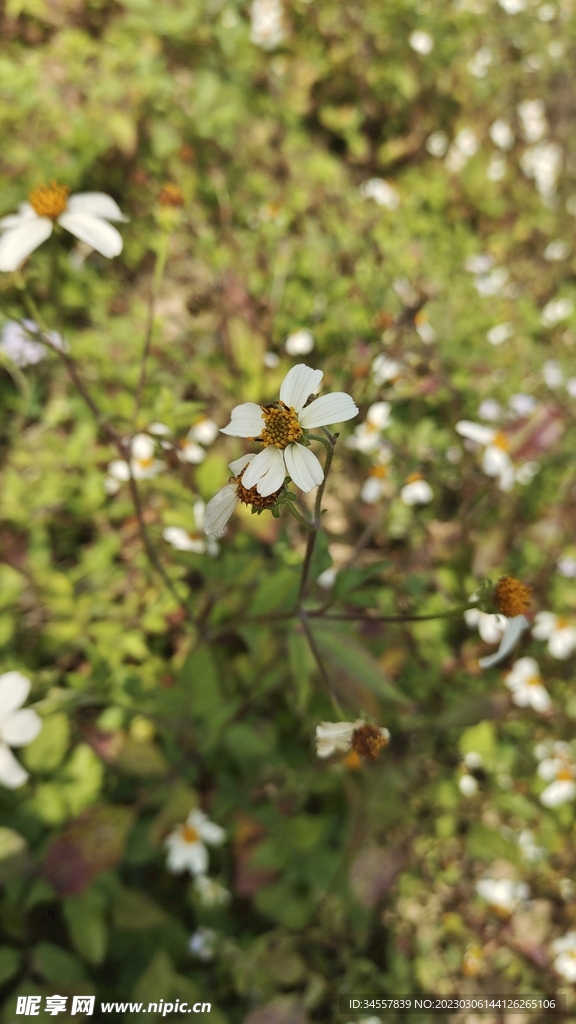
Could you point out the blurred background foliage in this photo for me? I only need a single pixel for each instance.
(342, 878)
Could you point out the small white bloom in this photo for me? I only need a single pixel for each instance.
(472, 759)
(211, 893)
(375, 487)
(425, 331)
(516, 626)
(186, 844)
(492, 283)
(528, 848)
(497, 168)
(203, 433)
(565, 962)
(336, 737)
(17, 344)
(464, 146)
(267, 23)
(422, 42)
(384, 369)
(416, 492)
(542, 162)
(381, 192)
(552, 373)
(467, 784)
(557, 250)
(271, 360)
(522, 404)
(281, 424)
(202, 943)
(85, 215)
(480, 62)
(299, 343)
(526, 472)
(525, 682)
(495, 459)
(547, 12)
(142, 464)
(561, 636)
(502, 894)
(557, 767)
(327, 579)
(532, 114)
(481, 263)
(196, 541)
(437, 143)
(490, 410)
(567, 567)
(159, 430)
(555, 311)
(512, 6)
(501, 134)
(18, 727)
(366, 437)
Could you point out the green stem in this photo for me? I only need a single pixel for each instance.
(315, 525)
(291, 505)
(159, 267)
(321, 666)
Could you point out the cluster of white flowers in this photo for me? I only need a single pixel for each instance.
(267, 23)
(503, 895)
(464, 146)
(558, 768)
(382, 192)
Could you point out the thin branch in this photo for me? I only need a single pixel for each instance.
(319, 662)
(315, 526)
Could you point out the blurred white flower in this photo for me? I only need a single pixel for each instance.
(501, 134)
(522, 405)
(18, 727)
(384, 369)
(196, 541)
(502, 894)
(525, 682)
(381, 192)
(467, 784)
(299, 343)
(203, 433)
(497, 168)
(17, 344)
(491, 627)
(557, 767)
(493, 282)
(559, 633)
(437, 143)
(565, 962)
(571, 387)
(552, 373)
(211, 893)
(481, 263)
(159, 429)
(526, 472)
(341, 737)
(532, 114)
(186, 845)
(513, 6)
(367, 435)
(495, 459)
(271, 360)
(528, 848)
(85, 215)
(490, 410)
(555, 311)
(547, 12)
(416, 491)
(424, 330)
(280, 426)
(202, 943)
(422, 42)
(327, 579)
(542, 162)
(464, 146)
(142, 464)
(375, 487)
(480, 62)
(267, 23)
(567, 567)
(557, 250)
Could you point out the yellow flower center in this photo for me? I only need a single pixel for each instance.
(379, 471)
(511, 596)
(49, 200)
(189, 834)
(564, 775)
(145, 463)
(170, 195)
(281, 425)
(250, 496)
(561, 623)
(501, 441)
(413, 477)
(368, 740)
(534, 681)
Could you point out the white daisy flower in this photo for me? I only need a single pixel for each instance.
(17, 344)
(502, 894)
(559, 770)
(143, 464)
(18, 727)
(416, 491)
(186, 845)
(203, 433)
(85, 215)
(366, 437)
(266, 23)
(299, 343)
(381, 192)
(561, 636)
(342, 737)
(467, 785)
(196, 541)
(565, 962)
(384, 369)
(280, 425)
(525, 682)
(495, 459)
(501, 134)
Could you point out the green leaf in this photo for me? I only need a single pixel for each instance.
(133, 910)
(56, 965)
(85, 917)
(346, 657)
(48, 749)
(10, 960)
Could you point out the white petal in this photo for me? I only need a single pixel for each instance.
(514, 630)
(219, 509)
(14, 689)
(21, 727)
(15, 220)
(245, 421)
(303, 467)
(558, 792)
(197, 858)
(16, 244)
(97, 204)
(491, 627)
(182, 541)
(142, 447)
(119, 470)
(335, 408)
(267, 471)
(208, 830)
(12, 774)
(539, 698)
(475, 431)
(299, 383)
(494, 460)
(562, 643)
(239, 464)
(544, 624)
(205, 431)
(94, 231)
(418, 492)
